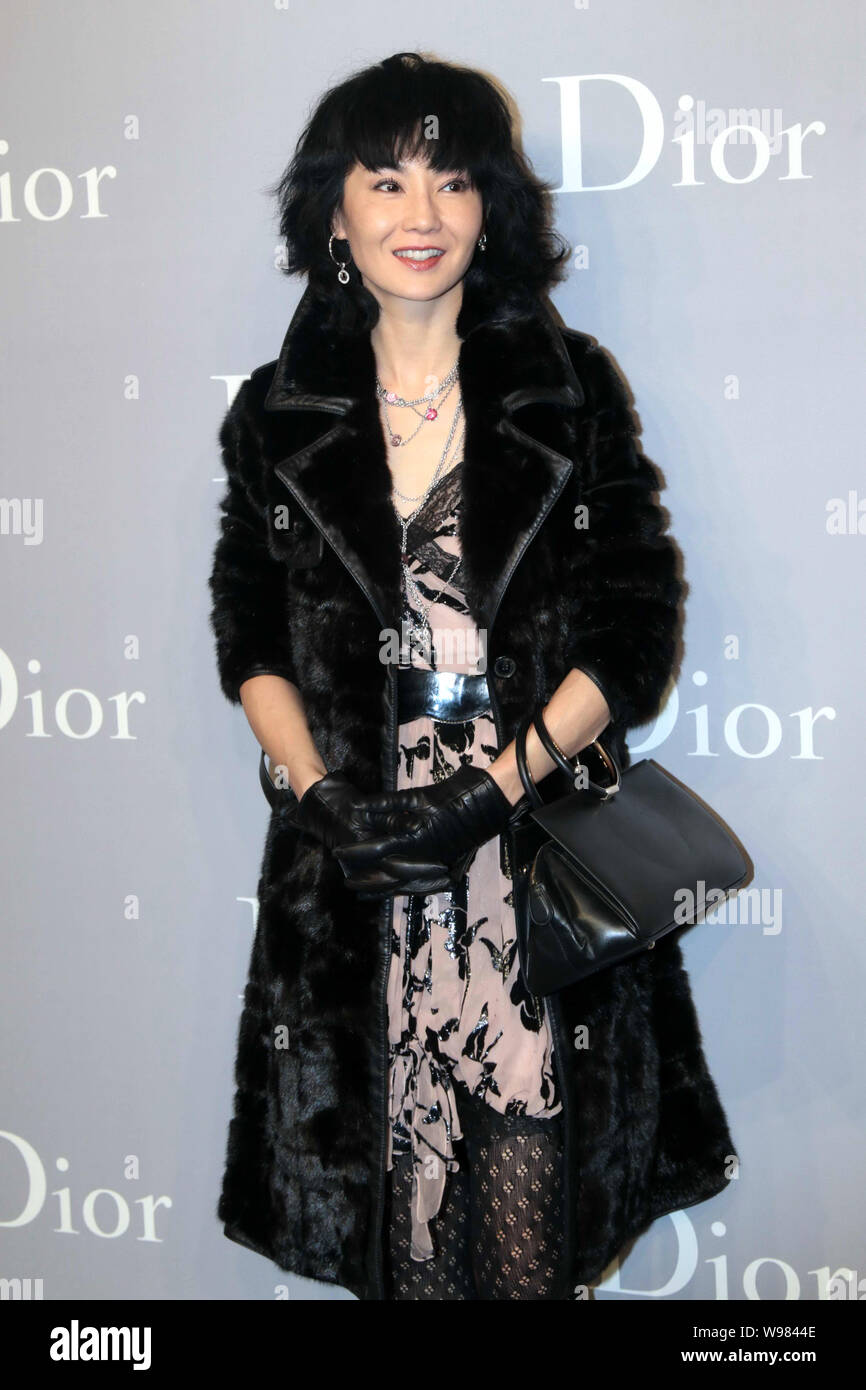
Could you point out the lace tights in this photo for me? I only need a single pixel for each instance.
(498, 1233)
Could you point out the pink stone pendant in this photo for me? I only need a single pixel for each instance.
(431, 413)
(396, 440)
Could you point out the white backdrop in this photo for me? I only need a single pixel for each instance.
(140, 285)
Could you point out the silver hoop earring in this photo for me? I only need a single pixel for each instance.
(342, 273)
(482, 242)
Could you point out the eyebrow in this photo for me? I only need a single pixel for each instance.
(402, 165)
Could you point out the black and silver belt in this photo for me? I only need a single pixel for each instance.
(448, 696)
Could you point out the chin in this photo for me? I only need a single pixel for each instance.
(427, 287)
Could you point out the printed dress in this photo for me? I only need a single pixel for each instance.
(457, 1007)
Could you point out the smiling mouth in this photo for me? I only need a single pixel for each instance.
(420, 257)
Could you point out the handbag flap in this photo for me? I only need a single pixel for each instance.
(653, 848)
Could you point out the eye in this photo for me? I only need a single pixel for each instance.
(459, 181)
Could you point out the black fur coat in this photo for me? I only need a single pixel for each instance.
(305, 577)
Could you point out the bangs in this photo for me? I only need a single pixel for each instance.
(433, 113)
(387, 147)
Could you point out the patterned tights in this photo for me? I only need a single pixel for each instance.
(498, 1233)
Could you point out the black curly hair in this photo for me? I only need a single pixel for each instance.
(382, 115)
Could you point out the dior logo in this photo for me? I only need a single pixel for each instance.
(790, 151)
(103, 1211)
(22, 516)
(750, 730)
(765, 1277)
(76, 713)
(49, 194)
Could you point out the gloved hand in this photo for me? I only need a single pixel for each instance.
(428, 836)
(334, 811)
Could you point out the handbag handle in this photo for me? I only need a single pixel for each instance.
(608, 759)
(522, 766)
(558, 756)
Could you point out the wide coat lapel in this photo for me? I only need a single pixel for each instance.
(511, 360)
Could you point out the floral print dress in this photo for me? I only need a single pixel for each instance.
(457, 1006)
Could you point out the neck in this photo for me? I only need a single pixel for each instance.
(415, 342)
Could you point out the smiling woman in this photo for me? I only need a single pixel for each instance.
(432, 1130)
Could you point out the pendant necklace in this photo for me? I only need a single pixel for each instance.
(431, 412)
(422, 632)
(417, 632)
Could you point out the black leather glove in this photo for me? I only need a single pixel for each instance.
(429, 835)
(336, 812)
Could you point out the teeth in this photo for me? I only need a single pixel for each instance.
(418, 255)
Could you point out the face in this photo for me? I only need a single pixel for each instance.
(405, 210)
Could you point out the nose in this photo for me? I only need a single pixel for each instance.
(421, 213)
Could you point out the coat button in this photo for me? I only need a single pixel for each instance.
(504, 666)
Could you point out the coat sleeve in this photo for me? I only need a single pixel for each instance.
(248, 616)
(624, 592)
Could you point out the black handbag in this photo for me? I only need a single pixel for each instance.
(605, 871)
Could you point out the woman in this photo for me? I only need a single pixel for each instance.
(437, 518)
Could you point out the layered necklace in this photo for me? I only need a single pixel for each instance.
(421, 632)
